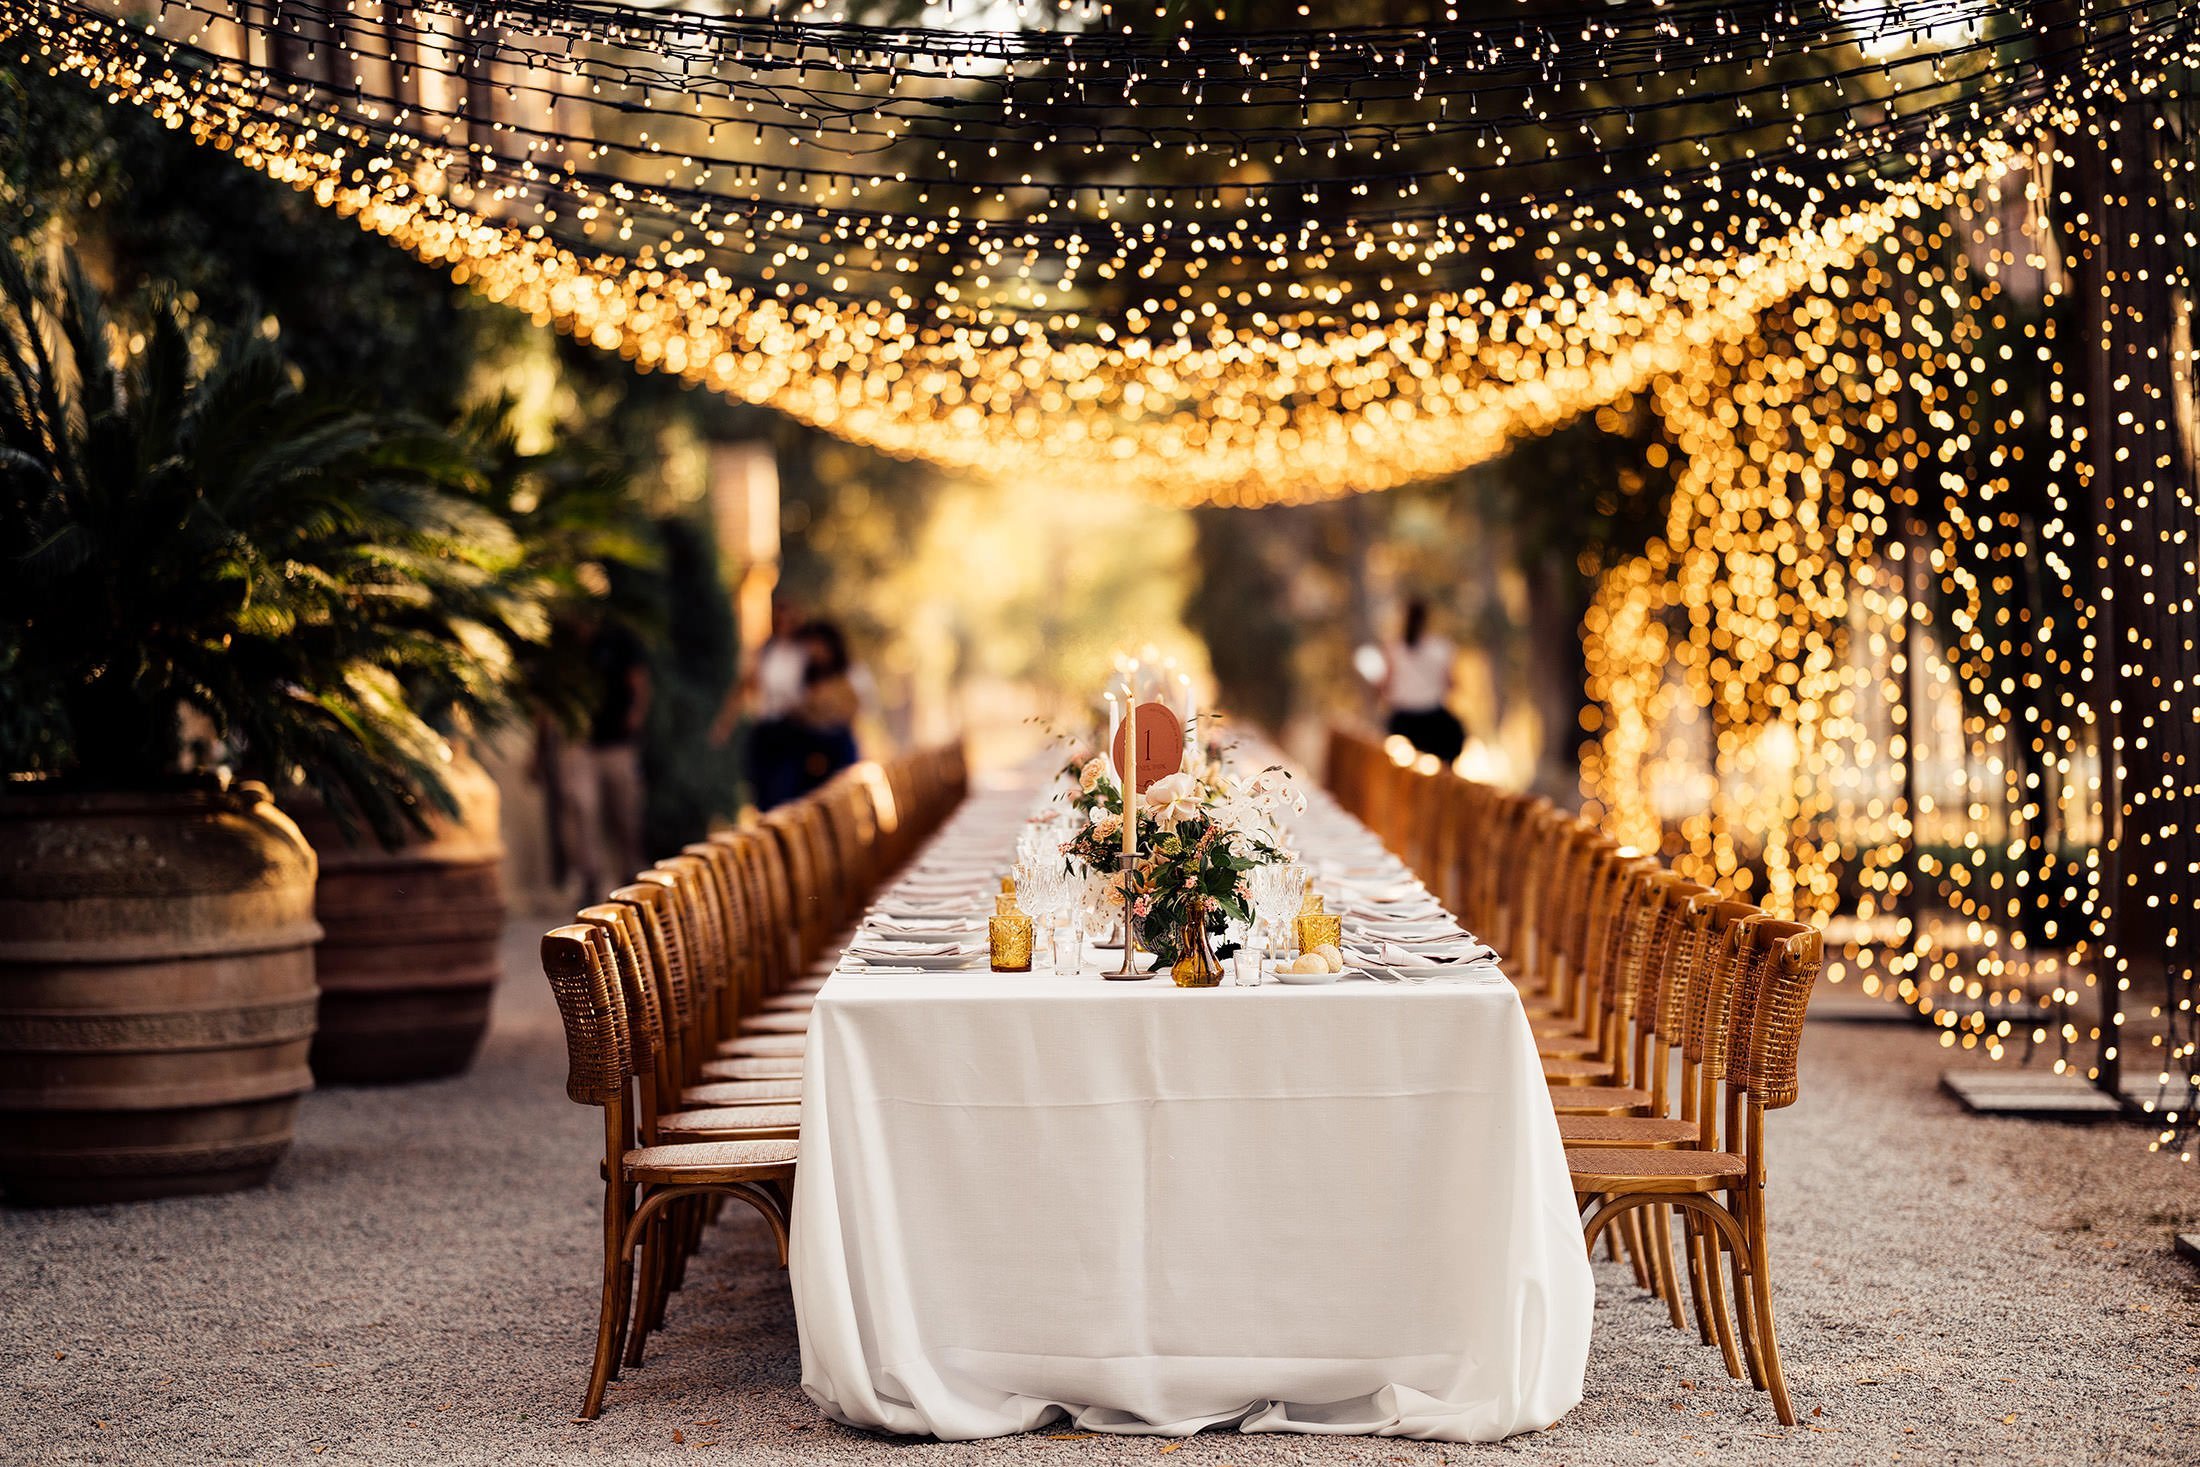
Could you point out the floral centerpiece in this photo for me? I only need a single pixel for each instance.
(1197, 837)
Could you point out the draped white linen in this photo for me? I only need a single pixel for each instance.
(1031, 1198)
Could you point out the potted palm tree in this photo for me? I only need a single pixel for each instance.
(410, 951)
(202, 571)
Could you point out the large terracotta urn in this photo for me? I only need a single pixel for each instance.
(156, 991)
(409, 958)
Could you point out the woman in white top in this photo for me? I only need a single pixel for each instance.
(1416, 682)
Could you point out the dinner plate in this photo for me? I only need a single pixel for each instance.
(1310, 979)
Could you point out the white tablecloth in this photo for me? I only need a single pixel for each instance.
(1147, 1209)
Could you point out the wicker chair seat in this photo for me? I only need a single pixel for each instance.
(1559, 1070)
(711, 1161)
(774, 1067)
(732, 1123)
(1652, 1131)
(764, 1046)
(742, 1092)
(1600, 1100)
(1599, 1169)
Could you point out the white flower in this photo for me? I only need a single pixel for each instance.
(1277, 786)
(1173, 799)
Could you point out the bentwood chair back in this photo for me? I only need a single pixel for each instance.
(805, 905)
(651, 897)
(1420, 818)
(1534, 848)
(825, 869)
(1609, 899)
(885, 810)
(736, 983)
(706, 921)
(835, 834)
(1604, 884)
(797, 858)
(779, 879)
(854, 832)
(1730, 937)
(776, 911)
(704, 906)
(1591, 856)
(620, 927)
(751, 849)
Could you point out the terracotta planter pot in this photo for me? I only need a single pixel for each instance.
(408, 962)
(156, 992)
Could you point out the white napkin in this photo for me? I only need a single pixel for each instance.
(1421, 930)
(1421, 911)
(906, 926)
(886, 947)
(1386, 893)
(928, 909)
(1392, 955)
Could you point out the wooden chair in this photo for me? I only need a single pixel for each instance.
(1664, 953)
(702, 928)
(664, 938)
(641, 1180)
(741, 993)
(1603, 1085)
(1565, 1020)
(756, 854)
(758, 1110)
(1776, 965)
(1628, 947)
(789, 826)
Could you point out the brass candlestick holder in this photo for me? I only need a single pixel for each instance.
(1129, 971)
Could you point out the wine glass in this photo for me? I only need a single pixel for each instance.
(1276, 890)
(1038, 884)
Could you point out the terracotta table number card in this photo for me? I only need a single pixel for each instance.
(1160, 744)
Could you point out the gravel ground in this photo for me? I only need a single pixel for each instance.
(1952, 1290)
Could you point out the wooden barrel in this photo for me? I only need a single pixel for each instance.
(409, 959)
(156, 991)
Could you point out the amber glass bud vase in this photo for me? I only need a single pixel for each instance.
(1198, 968)
(1009, 932)
(1317, 925)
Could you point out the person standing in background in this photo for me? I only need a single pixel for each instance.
(831, 699)
(599, 778)
(1416, 683)
(772, 690)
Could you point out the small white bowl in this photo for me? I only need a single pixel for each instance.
(1309, 978)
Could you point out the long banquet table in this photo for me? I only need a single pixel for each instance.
(1026, 1198)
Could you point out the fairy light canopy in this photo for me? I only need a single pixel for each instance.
(1068, 241)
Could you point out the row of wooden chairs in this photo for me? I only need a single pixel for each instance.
(1668, 1017)
(685, 998)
